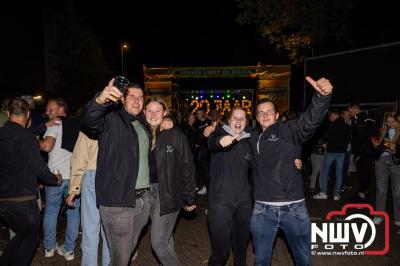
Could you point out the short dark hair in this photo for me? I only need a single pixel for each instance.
(334, 111)
(4, 104)
(19, 107)
(200, 109)
(133, 85)
(354, 104)
(266, 100)
(60, 102)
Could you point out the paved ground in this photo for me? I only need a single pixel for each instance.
(193, 245)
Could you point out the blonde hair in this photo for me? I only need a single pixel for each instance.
(385, 128)
(165, 108)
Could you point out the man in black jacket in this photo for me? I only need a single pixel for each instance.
(20, 165)
(278, 185)
(363, 129)
(122, 176)
(336, 139)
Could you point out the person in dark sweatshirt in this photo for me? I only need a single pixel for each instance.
(363, 131)
(278, 185)
(230, 189)
(229, 198)
(20, 165)
(336, 139)
(122, 175)
(172, 180)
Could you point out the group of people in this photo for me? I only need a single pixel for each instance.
(351, 134)
(125, 163)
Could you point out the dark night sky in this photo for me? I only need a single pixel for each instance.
(163, 33)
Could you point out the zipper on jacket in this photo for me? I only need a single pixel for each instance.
(258, 143)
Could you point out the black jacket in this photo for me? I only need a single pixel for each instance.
(363, 128)
(276, 177)
(21, 163)
(337, 136)
(118, 157)
(175, 171)
(229, 170)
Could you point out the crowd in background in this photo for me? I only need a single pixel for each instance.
(187, 152)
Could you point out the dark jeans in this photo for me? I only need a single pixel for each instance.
(386, 171)
(229, 228)
(364, 172)
(292, 219)
(346, 165)
(24, 219)
(162, 240)
(122, 226)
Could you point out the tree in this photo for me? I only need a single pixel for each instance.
(299, 25)
(75, 59)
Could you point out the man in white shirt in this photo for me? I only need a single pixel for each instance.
(59, 162)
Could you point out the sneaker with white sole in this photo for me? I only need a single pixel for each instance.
(320, 195)
(67, 255)
(202, 191)
(336, 197)
(377, 220)
(50, 253)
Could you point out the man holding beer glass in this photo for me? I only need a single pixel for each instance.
(122, 178)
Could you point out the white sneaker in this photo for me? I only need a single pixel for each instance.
(377, 220)
(397, 223)
(320, 195)
(50, 253)
(67, 255)
(202, 191)
(336, 197)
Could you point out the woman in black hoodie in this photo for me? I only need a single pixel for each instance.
(230, 203)
(229, 200)
(172, 180)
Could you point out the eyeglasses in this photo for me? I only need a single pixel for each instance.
(265, 113)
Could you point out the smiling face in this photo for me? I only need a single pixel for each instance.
(154, 113)
(191, 119)
(266, 114)
(237, 121)
(391, 122)
(54, 110)
(133, 101)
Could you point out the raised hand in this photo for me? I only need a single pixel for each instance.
(322, 86)
(189, 208)
(210, 129)
(109, 93)
(166, 124)
(227, 140)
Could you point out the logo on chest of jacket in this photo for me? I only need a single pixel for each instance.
(247, 157)
(273, 137)
(169, 148)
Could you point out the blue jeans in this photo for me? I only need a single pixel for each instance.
(292, 219)
(338, 158)
(54, 197)
(91, 224)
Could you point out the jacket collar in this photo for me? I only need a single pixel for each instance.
(229, 130)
